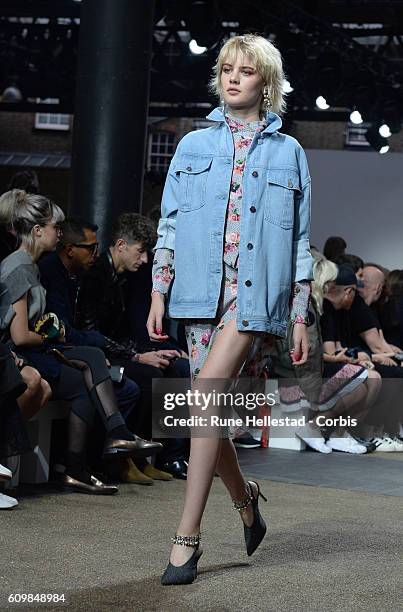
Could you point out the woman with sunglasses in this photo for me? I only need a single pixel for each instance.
(76, 374)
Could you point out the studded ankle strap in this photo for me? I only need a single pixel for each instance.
(241, 505)
(193, 540)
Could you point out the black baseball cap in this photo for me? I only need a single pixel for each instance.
(346, 276)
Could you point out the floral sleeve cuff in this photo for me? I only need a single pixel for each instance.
(299, 302)
(163, 270)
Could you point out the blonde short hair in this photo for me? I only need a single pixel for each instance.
(30, 210)
(267, 61)
(7, 203)
(324, 273)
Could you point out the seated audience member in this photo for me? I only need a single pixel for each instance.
(103, 307)
(76, 374)
(139, 287)
(356, 326)
(334, 247)
(27, 180)
(13, 437)
(374, 278)
(61, 273)
(355, 263)
(8, 240)
(390, 312)
(333, 384)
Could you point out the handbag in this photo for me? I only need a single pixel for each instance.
(50, 327)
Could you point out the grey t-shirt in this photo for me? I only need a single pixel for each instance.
(20, 275)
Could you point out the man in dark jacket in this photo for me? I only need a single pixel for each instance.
(102, 308)
(60, 275)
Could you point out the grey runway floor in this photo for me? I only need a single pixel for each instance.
(376, 472)
(334, 542)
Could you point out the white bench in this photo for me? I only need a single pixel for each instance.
(282, 436)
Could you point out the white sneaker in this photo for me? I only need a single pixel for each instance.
(307, 434)
(346, 444)
(7, 502)
(398, 444)
(384, 445)
(5, 473)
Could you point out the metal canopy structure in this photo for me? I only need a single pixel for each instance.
(349, 52)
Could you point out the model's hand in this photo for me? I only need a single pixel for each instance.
(299, 353)
(154, 321)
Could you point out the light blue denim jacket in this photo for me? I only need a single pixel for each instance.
(274, 247)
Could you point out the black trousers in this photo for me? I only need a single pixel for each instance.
(71, 385)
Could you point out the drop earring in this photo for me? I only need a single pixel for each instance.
(266, 99)
(222, 105)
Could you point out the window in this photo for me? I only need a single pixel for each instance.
(52, 121)
(160, 151)
(355, 135)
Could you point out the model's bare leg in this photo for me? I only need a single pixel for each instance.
(224, 360)
(230, 473)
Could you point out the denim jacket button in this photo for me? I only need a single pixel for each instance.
(250, 246)
(248, 283)
(255, 173)
(252, 209)
(189, 168)
(245, 323)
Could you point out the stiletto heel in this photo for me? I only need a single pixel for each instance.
(256, 532)
(186, 573)
(260, 493)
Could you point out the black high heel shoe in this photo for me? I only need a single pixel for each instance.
(256, 532)
(186, 573)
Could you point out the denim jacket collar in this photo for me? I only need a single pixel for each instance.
(274, 121)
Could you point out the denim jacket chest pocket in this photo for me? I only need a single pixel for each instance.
(193, 172)
(281, 189)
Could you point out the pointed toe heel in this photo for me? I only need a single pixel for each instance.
(255, 533)
(186, 573)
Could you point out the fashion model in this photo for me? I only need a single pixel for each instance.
(233, 262)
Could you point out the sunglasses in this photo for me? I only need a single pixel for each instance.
(91, 248)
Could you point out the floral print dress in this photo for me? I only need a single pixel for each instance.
(201, 333)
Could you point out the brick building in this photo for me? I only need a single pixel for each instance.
(43, 141)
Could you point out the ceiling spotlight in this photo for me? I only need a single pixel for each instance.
(11, 94)
(321, 103)
(377, 142)
(385, 131)
(287, 87)
(355, 117)
(195, 49)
